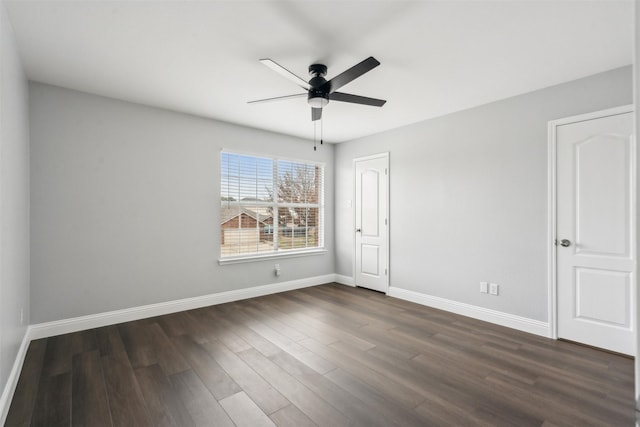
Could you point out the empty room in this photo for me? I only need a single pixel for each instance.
(318, 213)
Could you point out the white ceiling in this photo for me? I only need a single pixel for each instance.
(201, 57)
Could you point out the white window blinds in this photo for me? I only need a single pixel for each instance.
(269, 205)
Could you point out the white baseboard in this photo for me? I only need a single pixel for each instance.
(345, 280)
(524, 324)
(65, 326)
(14, 375)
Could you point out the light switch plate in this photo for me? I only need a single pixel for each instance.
(493, 288)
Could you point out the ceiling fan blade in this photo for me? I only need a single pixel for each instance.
(277, 98)
(356, 99)
(286, 73)
(351, 74)
(316, 114)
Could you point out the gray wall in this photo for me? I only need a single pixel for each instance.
(125, 205)
(14, 200)
(636, 82)
(468, 196)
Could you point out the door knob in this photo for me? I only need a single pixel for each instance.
(565, 243)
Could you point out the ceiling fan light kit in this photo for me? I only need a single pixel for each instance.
(317, 97)
(320, 90)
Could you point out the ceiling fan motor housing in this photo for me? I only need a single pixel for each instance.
(318, 97)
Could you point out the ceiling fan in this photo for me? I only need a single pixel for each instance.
(320, 91)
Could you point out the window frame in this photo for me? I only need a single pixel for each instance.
(276, 205)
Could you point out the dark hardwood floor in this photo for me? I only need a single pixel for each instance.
(329, 356)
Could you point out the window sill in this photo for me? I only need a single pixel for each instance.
(252, 258)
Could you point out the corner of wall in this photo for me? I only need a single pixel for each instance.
(14, 213)
(14, 375)
(345, 280)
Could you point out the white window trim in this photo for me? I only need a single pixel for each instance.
(284, 254)
(281, 253)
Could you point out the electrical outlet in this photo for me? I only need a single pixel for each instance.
(276, 269)
(493, 288)
(484, 286)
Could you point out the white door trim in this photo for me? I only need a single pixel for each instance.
(385, 156)
(552, 292)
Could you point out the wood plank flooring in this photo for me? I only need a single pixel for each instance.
(323, 356)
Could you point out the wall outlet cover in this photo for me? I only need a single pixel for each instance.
(484, 287)
(493, 288)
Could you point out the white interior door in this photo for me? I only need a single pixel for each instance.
(371, 237)
(596, 219)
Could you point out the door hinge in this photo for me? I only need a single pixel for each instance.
(385, 171)
(385, 221)
(385, 271)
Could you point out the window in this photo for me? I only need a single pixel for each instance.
(269, 206)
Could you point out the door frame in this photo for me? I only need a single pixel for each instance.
(552, 166)
(385, 156)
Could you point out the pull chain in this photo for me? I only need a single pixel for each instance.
(315, 133)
